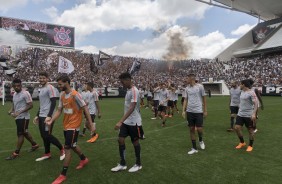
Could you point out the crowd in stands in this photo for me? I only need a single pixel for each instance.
(265, 70)
(14, 24)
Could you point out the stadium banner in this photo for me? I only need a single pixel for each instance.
(272, 91)
(40, 33)
(34, 92)
(262, 30)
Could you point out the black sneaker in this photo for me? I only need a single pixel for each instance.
(33, 148)
(13, 156)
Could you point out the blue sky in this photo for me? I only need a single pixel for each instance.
(127, 27)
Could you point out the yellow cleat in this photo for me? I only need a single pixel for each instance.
(93, 139)
(249, 149)
(240, 145)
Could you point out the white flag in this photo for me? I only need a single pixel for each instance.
(65, 65)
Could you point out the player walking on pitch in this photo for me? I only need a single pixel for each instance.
(195, 109)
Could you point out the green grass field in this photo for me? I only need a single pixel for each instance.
(164, 151)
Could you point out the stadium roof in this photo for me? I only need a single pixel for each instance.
(264, 9)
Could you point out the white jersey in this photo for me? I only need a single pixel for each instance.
(20, 101)
(176, 95)
(157, 95)
(84, 96)
(163, 97)
(253, 89)
(132, 95)
(235, 96)
(195, 98)
(142, 93)
(92, 98)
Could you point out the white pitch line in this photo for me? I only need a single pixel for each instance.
(105, 139)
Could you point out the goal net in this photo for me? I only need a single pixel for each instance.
(7, 91)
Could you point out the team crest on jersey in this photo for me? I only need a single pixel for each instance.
(62, 36)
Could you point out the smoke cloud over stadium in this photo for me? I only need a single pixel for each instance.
(11, 37)
(177, 49)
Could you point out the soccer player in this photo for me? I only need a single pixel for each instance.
(156, 98)
(47, 104)
(175, 99)
(171, 96)
(260, 103)
(94, 108)
(128, 124)
(22, 103)
(163, 99)
(195, 108)
(84, 95)
(235, 93)
(149, 97)
(247, 114)
(72, 105)
(182, 90)
(142, 94)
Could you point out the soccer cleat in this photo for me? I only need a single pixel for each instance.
(193, 151)
(230, 130)
(44, 157)
(170, 116)
(240, 145)
(60, 179)
(33, 148)
(135, 168)
(255, 131)
(13, 156)
(82, 163)
(154, 118)
(163, 125)
(62, 154)
(249, 149)
(119, 168)
(93, 139)
(202, 145)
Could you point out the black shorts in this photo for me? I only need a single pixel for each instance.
(43, 127)
(93, 117)
(195, 119)
(162, 108)
(22, 126)
(234, 110)
(149, 98)
(182, 100)
(132, 131)
(170, 103)
(71, 138)
(244, 121)
(156, 103)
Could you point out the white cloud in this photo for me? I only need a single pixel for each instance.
(241, 30)
(6, 5)
(58, 1)
(87, 17)
(208, 46)
(51, 12)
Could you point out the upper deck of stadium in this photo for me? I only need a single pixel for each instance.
(264, 37)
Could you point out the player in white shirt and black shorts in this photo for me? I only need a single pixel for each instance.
(195, 109)
(129, 124)
(235, 93)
